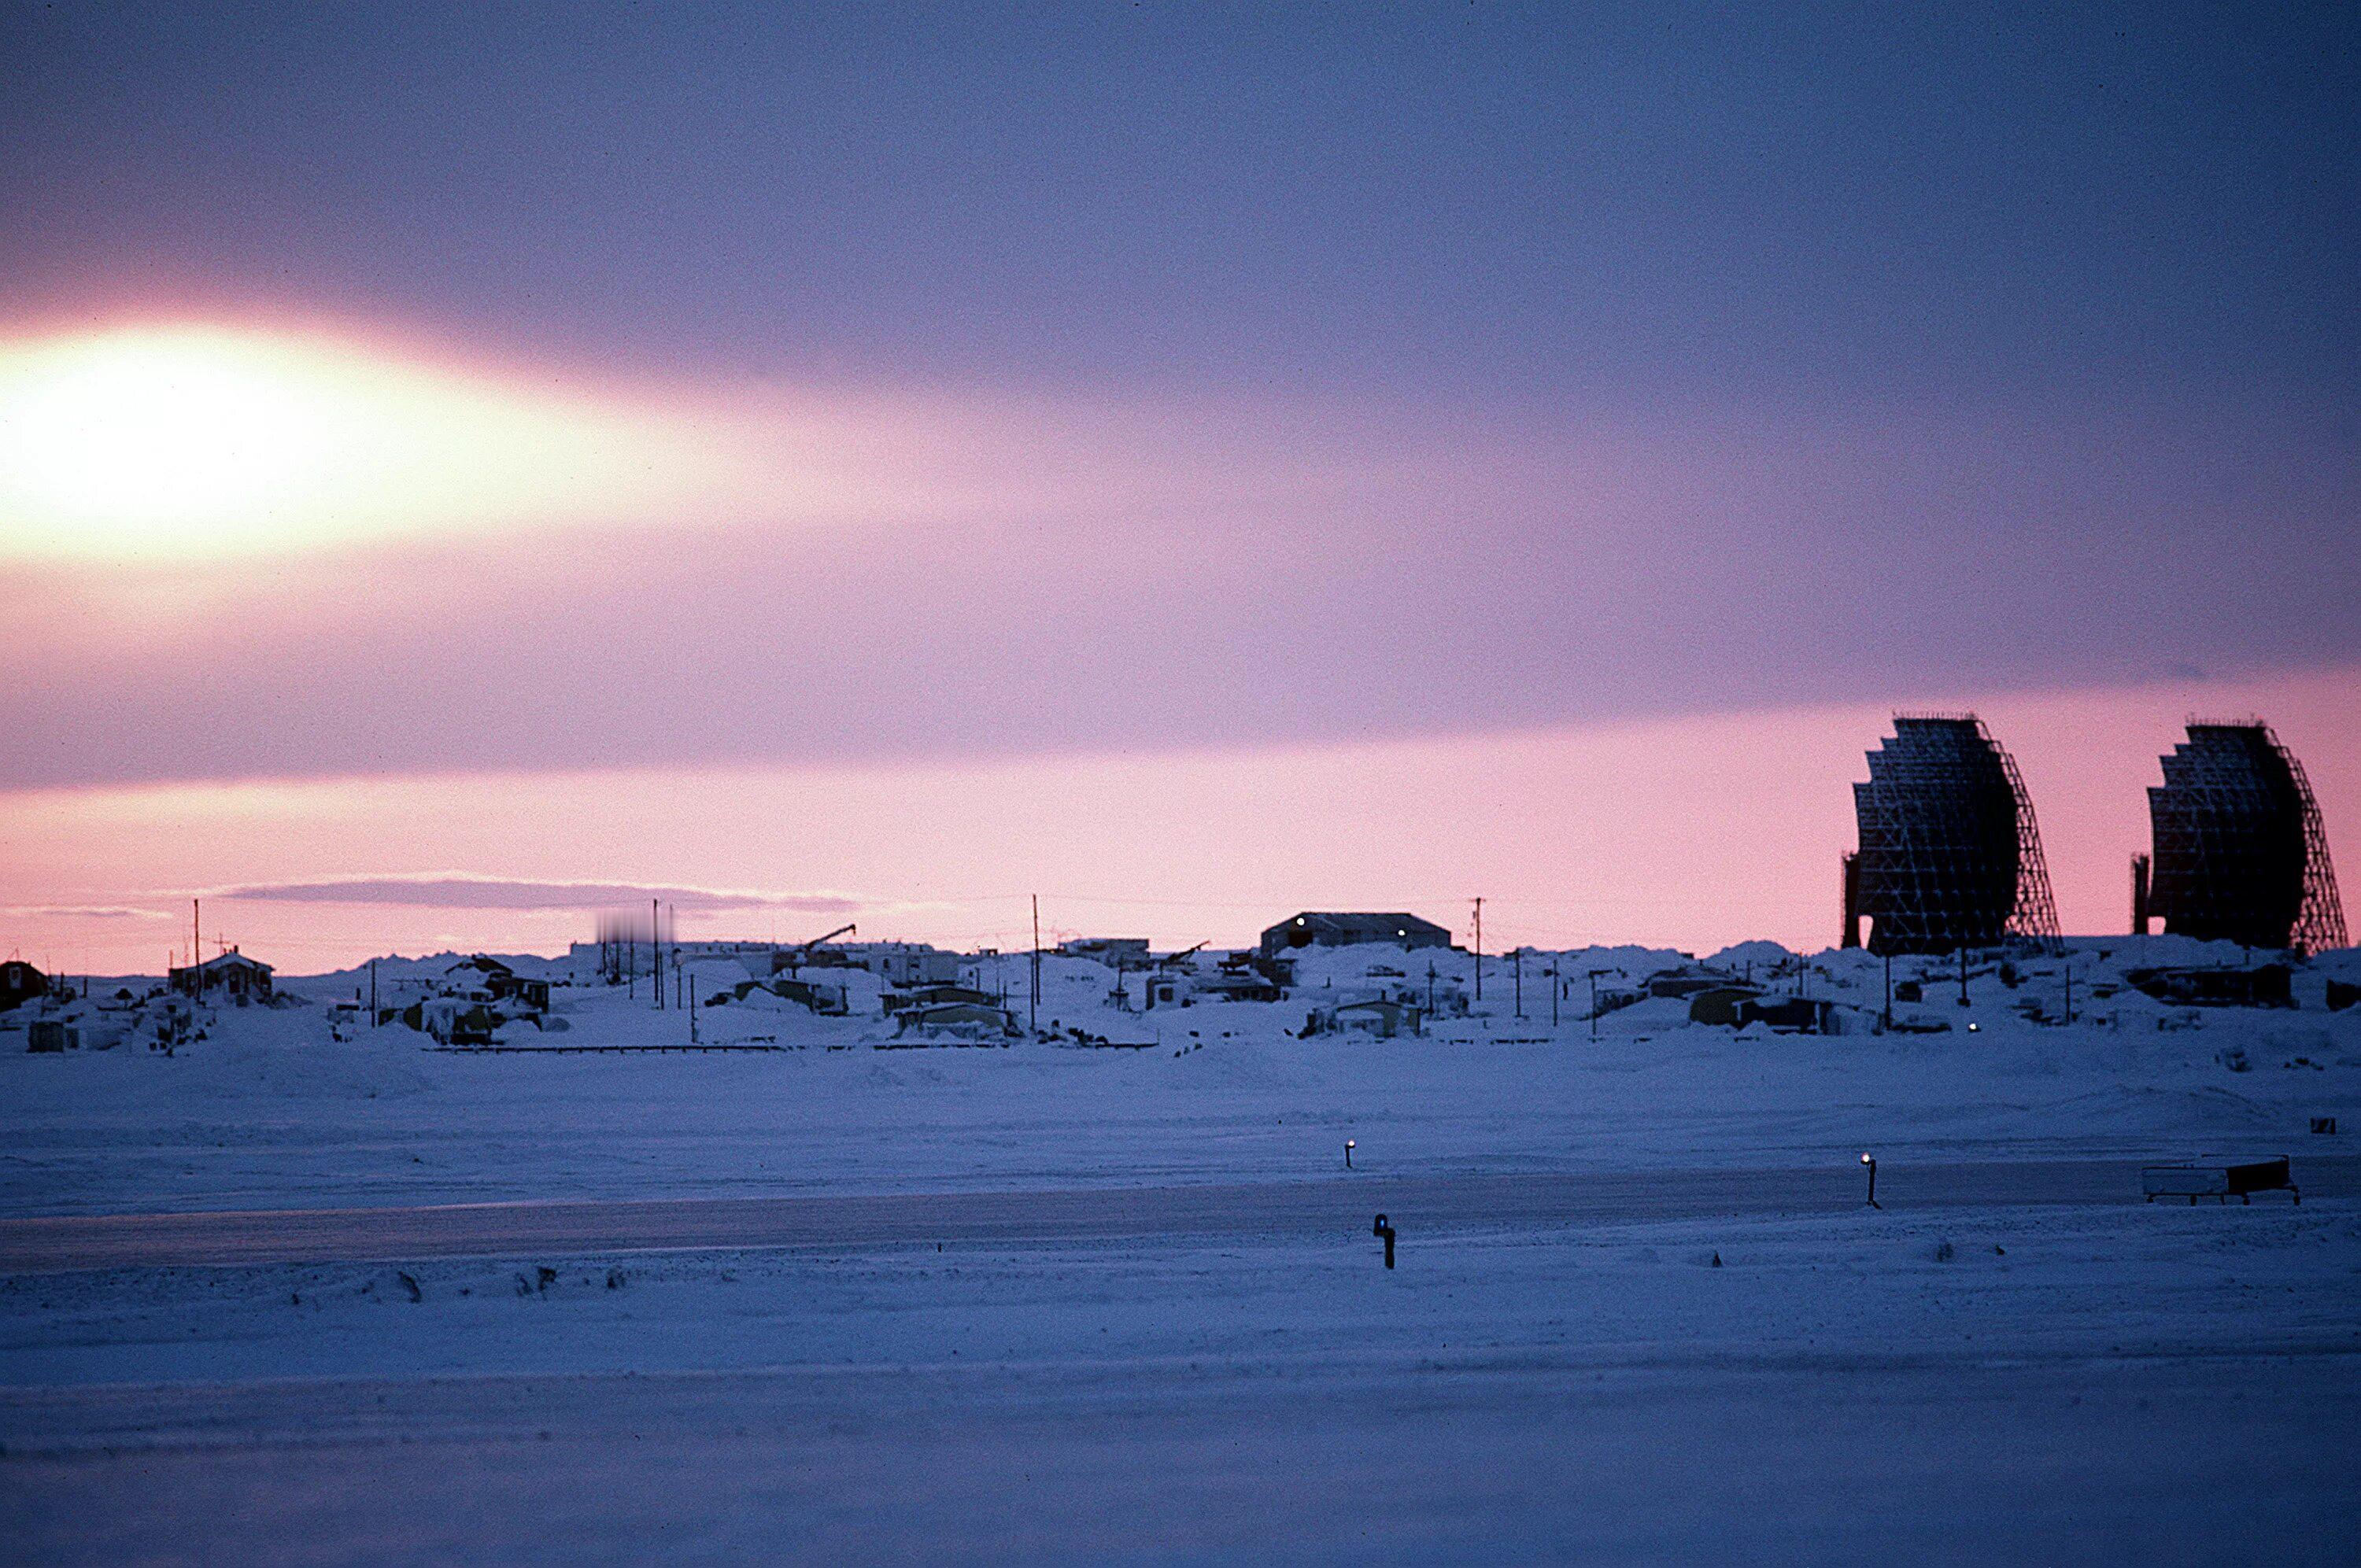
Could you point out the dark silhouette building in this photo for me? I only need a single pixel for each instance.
(2238, 852)
(1950, 854)
(1315, 928)
(20, 983)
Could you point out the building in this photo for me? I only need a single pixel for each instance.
(957, 1020)
(231, 975)
(47, 1035)
(1116, 952)
(1736, 1006)
(1951, 856)
(1383, 1018)
(20, 983)
(1317, 929)
(828, 1000)
(2238, 852)
(1232, 985)
(922, 996)
(1723, 1004)
(2271, 985)
(912, 965)
(519, 991)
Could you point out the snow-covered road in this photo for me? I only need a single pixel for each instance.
(1335, 1207)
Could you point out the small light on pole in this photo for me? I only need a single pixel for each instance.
(1871, 1161)
(1348, 1153)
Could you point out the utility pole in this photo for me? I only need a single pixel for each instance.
(197, 947)
(372, 993)
(1479, 950)
(655, 940)
(1963, 974)
(1033, 1008)
(1554, 988)
(1594, 1004)
(1517, 966)
(692, 1009)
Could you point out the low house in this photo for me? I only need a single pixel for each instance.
(1117, 952)
(231, 974)
(520, 992)
(1720, 1003)
(934, 996)
(914, 964)
(20, 983)
(1680, 983)
(1735, 1006)
(958, 1020)
(2269, 986)
(1232, 985)
(1383, 1017)
(830, 1001)
(1330, 929)
(1791, 1014)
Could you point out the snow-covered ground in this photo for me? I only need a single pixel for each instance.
(270, 1110)
(2089, 1382)
(2137, 1385)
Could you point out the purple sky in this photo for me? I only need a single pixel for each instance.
(404, 398)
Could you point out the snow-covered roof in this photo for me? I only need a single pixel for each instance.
(229, 961)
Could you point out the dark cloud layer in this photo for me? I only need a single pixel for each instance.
(495, 893)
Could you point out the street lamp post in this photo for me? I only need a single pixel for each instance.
(1871, 1161)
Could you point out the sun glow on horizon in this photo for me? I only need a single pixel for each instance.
(179, 441)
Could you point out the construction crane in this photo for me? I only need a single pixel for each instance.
(1174, 960)
(794, 956)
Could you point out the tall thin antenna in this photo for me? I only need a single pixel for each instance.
(1033, 1008)
(197, 946)
(655, 937)
(1479, 950)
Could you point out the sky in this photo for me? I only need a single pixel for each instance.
(460, 467)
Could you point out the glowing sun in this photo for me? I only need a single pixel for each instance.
(200, 440)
